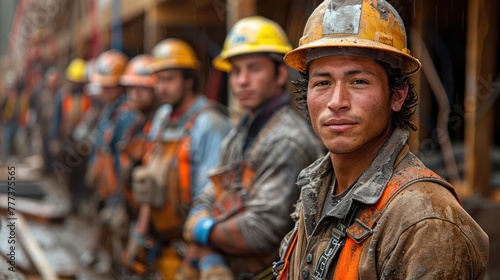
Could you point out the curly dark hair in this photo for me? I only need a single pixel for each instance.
(397, 80)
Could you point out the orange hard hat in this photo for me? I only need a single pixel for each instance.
(173, 53)
(136, 72)
(109, 67)
(368, 28)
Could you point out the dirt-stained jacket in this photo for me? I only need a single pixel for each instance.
(276, 145)
(423, 234)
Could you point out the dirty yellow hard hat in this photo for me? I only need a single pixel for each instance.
(249, 35)
(173, 53)
(137, 73)
(75, 72)
(109, 67)
(368, 28)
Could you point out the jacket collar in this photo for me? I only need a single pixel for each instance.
(314, 180)
(253, 125)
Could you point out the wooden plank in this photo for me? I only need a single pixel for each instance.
(34, 249)
(480, 64)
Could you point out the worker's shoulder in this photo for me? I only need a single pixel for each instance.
(426, 201)
(212, 117)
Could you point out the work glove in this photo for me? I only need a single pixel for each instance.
(198, 226)
(213, 267)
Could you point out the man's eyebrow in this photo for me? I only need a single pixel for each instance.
(358, 71)
(320, 74)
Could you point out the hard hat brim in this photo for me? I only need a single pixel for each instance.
(222, 63)
(137, 81)
(172, 64)
(297, 57)
(105, 81)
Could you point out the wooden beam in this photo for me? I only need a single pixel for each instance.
(416, 30)
(442, 133)
(236, 10)
(480, 63)
(34, 250)
(152, 31)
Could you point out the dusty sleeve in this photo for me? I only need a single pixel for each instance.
(267, 219)
(433, 249)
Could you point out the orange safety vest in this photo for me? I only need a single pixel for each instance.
(348, 262)
(135, 150)
(73, 107)
(105, 176)
(173, 156)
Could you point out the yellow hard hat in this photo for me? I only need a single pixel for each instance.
(75, 72)
(173, 53)
(109, 67)
(368, 28)
(253, 34)
(137, 74)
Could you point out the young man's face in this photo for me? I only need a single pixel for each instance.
(349, 102)
(171, 87)
(255, 80)
(141, 97)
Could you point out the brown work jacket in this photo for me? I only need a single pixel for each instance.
(423, 234)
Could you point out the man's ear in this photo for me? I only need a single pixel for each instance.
(398, 98)
(283, 72)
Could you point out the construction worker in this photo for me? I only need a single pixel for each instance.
(9, 116)
(139, 84)
(44, 107)
(85, 133)
(71, 103)
(370, 209)
(116, 124)
(186, 133)
(237, 222)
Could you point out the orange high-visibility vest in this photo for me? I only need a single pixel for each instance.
(348, 263)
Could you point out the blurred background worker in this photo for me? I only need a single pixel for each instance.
(115, 125)
(9, 113)
(85, 133)
(237, 222)
(139, 85)
(45, 108)
(187, 131)
(71, 103)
